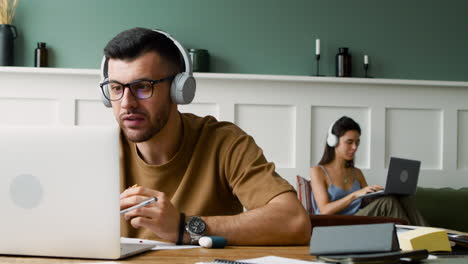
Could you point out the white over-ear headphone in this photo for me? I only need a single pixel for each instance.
(332, 139)
(182, 87)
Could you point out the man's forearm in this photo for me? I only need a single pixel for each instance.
(282, 221)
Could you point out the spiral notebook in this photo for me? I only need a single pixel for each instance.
(262, 260)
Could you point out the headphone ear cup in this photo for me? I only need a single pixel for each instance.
(103, 74)
(105, 101)
(332, 140)
(183, 88)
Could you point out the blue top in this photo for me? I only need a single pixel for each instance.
(336, 193)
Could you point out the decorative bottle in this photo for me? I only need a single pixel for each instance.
(343, 63)
(40, 55)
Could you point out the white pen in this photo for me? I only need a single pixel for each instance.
(144, 203)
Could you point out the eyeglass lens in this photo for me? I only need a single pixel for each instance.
(141, 90)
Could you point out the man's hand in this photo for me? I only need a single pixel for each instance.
(161, 217)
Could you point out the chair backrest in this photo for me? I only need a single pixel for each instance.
(304, 193)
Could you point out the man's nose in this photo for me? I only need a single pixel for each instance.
(128, 100)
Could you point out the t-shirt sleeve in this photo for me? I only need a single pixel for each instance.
(252, 178)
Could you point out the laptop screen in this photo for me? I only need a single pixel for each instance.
(402, 178)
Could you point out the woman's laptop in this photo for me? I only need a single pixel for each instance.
(59, 193)
(402, 178)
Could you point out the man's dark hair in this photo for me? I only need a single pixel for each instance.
(340, 127)
(132, 43)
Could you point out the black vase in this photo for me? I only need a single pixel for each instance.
(7, 35)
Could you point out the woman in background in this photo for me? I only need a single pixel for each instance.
(337, 185)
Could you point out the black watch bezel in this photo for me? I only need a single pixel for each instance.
(196, 225)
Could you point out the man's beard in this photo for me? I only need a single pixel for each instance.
(154, 127)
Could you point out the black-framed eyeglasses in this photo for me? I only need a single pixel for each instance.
(140, 89)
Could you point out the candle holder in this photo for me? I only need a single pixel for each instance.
(317, 63)
(366, 68)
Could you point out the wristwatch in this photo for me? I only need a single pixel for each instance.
(196, 228)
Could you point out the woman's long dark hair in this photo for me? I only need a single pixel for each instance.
(340, 127)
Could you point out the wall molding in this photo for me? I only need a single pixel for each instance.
(251, 77)
(287, 115)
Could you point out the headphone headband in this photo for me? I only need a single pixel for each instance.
(186, 57)
(182, 87)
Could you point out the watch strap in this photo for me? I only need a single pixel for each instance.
(194, 238)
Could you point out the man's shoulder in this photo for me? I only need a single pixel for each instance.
(209, 125)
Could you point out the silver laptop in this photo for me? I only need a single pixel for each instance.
(59, 193)
(402, 178)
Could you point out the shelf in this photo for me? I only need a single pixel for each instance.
(252, 77)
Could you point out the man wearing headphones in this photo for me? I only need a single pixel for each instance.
(202, 172)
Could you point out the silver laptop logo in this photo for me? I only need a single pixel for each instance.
(26, 191)
(404, 176)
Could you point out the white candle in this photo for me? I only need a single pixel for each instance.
(366, 59)
(317, 47)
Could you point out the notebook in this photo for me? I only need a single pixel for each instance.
(59, 193)
(402, 178)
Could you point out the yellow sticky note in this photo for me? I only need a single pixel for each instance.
(432, 239)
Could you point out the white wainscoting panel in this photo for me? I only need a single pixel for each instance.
(44, 112)
(93, 113)
(415, 134)
(463, 140)
(287, 115)
(273, 128)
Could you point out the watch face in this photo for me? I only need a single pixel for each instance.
(196, 225)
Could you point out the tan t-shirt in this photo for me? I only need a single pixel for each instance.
(218, 170)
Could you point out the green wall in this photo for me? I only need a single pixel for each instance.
(405, 39)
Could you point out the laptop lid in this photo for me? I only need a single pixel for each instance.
(402, 177)
(59, 192)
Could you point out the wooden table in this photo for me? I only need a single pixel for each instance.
(183, 256)
(190, 256)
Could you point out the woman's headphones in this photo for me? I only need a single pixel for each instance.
(332, 139)
(182, 87)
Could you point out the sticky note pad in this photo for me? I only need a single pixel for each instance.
(432, 239)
